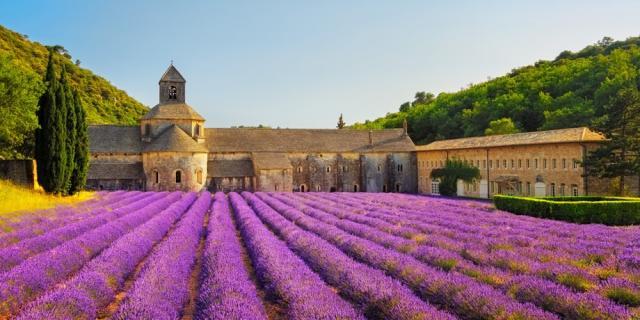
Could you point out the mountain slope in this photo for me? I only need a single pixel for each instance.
(565, 92)
(104, 103)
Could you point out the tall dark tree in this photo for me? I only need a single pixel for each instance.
(51, 136)
(341, 122)
(44, 136)
(70, 128)
(619, 122)
(79, 176)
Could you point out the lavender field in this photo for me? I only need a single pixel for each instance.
(135, 255)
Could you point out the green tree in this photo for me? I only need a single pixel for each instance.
(501, 126)
(19, 92)
(341, 122)
(453, 171)
(405, 107)
(619, 122)
(50, 137)
(70, 128)
(81, 158)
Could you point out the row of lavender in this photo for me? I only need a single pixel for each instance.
(557, 266)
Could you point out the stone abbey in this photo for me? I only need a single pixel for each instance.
(172, 150)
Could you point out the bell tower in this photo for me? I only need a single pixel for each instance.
(172, 86)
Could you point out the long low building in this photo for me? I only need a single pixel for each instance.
(172, 150)
(543, 163)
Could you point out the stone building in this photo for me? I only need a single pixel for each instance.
(172, 150)
(543, 163)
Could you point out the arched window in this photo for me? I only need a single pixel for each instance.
(178, 176)
(355, 188)
(173, 93)
(299, 169)
(328, 168)
(318, 188)
(156, 177)
(302, 188)
(199, 176)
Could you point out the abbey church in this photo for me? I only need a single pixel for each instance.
(172, 149)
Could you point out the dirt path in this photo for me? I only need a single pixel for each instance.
(194, 280)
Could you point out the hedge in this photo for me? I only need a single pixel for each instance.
(604, 210)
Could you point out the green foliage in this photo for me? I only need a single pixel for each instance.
(566, 92)
(341, 123)
(20, 90)
(23, 65)
(453, 171)
(609, 211)
(501, 126)
(81, 158)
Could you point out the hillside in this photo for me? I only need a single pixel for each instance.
(22, 67)
(566, 92)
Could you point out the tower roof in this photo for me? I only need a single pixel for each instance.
(176, 140)
(172, 75)
(173, 111)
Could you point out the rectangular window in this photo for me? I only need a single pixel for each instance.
(535, 163)
(553, 163)
(575, 164)
(490, 163)
(504, 163)
(528, 163)
(497, 163)
(528, 188)
(553, 189)
(544, 163)
(513, 163)
(562, 189)
(519, 163)
(564, 163)
(574, 190)
(484, 164)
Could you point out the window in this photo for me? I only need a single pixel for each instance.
(497, 164)
(156, 177)
(575, 164)
(553, 189)
(519, 163)
(484, 164)
(178, 176)
(564, 163)
(528, 163)
(504, 163)
(384, 188)
(553, 163)
(318, 188)
(562, 189)
(329, 169)
(199, 176)
(490, 163)
(513, 163)
(441, 163)
(477, 163)
(299, 169)
(535, 163)
(147, 129)
(173, 93)
(355, 188)
(197, 130)
(574, 190)
(435, 186)
(302, 188)
(544, 163)
(399, 167)
(379, 168)
(397, 187)
(276, 187)
(344, 168)
(528, 188)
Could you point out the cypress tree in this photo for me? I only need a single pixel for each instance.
(70, 130)
(79, 176)
(58, 148)
(45, 139)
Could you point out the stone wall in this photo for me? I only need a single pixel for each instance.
(556, 166)
(115, 184)
(274, 180)
(21, 172)
(161, 170)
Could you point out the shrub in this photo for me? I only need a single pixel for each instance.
(604, 210)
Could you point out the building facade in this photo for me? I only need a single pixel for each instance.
(544, 163)
(172, 150)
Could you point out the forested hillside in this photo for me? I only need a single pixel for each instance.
(22, 67)
(569, 91)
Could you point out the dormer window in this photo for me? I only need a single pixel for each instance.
(197, 130)
(173, 93)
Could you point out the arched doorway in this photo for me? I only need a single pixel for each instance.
(332, 189)
(303, 188)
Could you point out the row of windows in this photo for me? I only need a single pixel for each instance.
(178, 176)
(510, 164)
(527, 189)
(399, 168)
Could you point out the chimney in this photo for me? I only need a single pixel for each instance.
(370, 138)
(405, 128)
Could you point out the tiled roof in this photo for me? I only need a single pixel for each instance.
(174, 139)
(173, 111)
(271, 160)
(581, 134)
(230, 168)
(115, 171)
(172, 74)
(306, 140)
(112, 138)
(108, 138)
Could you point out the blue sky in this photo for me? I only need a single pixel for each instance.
(300, 64)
